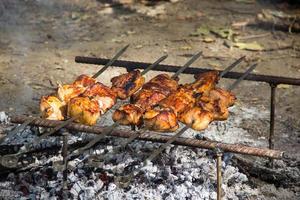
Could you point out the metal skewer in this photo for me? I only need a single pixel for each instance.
(137, 134)
(115, 124)
(185, 128)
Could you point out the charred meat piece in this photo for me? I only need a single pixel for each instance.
(128, 114)
(197, 118)
(127, 84)
(52, 108)
(150, 95)
(69, 91)
(204, 82)
(104, 95)
(179, 100)
(162, 120)
(84, 110)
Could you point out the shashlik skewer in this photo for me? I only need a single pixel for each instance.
(15, 157)
(58, 103)
(157, 79)
(154, 154)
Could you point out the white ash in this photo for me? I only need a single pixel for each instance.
(178, 173)
(3, 117)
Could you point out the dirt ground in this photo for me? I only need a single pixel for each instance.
(39, 40)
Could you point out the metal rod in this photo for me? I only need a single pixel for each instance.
(65, 164)
(111, 61)
(154, 65)
(272, 119)
(236, 83)
(230, 67)
(152, 136)
(219, 174)
(191, 61)
(191, 70)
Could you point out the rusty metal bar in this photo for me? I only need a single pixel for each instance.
(131, 65)
(219, 174)
(272, 119)
(154, 137)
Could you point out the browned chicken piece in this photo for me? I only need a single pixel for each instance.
(84, 110)
(128, 114)
(162, 120)
(162, 83)
(104, 95)
(84, 81)
(217, 102)
(204, 82)
(150, 95)
(69, 91)
(127, 84)
(179, 100)
(52, 108)
(197, 118)
(182, 100)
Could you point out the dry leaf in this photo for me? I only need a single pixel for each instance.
(208, 40)
(186, 48)
(283, 86)
(253, 46)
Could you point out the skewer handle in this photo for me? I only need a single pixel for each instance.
(154, 64)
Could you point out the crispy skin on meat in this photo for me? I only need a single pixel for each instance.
(163, 120)
(162, 83)
(104, 95)
(217, 102)
(128, 114)
(204, 82)
(179, 100)
(197, 118)
(69, 91)
(127, 84)
(84, 81)
(85, 110)
(150, 95)
(52, 108)
(146, 99)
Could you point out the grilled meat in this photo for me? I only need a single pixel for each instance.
(67, 92)
(127, 84)
(128, 114)
(204, 82)
(104, 95)
(52, 108)
(179, 101)
(162, 120)
(84, 110)
(196, 117)
(150, 95)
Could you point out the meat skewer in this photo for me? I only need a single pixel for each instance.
(149, 99)
(129, 177)
(134, 136)
(46, 107)
(53, 107)
(92, 91)
(231, 87)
